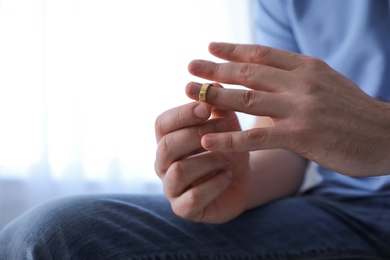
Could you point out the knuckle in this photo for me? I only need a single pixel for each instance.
(163, 146)
(167, 191)
(247, 71)
(228, 141)
(180, 211)
(162, 150)
(175, 172)
(216, 70)
(200, 131)
(249, 99)
(232, 52)
(187, 208)
(310, 107)
(178, 117)
(158, 126)
(193, 198)
(314, 63)
(308, 84)
(254, 138)
(158, 170)
(260, 53)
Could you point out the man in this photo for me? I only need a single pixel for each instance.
(235, 194)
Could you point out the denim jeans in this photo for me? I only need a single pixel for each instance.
(143, 227)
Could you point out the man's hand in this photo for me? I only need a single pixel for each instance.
(201, 186)
(316, 112)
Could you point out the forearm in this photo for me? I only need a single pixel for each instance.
(274, 174)
(372, 140)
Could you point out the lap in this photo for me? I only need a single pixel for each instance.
(144, 227)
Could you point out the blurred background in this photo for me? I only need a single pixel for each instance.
(82, 82)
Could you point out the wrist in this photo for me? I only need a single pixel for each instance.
(273, 174)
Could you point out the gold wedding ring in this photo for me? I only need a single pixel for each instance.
(203, 91)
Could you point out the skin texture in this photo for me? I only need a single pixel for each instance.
(316, 112)
(212, 171)
(215, 187)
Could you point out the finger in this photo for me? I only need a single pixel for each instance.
(193, 203)
(231, 116)
(179, 117)
(257, 103)
(193, 92)
(183, 142)
(251, 53)
(254, 76)
(193, 88)
(183, 173)
(250, 140)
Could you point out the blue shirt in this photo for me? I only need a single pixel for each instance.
(353, 37)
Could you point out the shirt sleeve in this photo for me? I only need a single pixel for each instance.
(271, 25)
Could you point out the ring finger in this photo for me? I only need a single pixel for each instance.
(248, 101)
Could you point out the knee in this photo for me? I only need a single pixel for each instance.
(84, 225)
(43, 232)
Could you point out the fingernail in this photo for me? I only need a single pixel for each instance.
(208, 141)
(200, 111)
